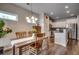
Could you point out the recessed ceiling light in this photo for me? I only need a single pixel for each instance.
(71, 14)
(66, 7)
(67, 11)
(51, 13)
(57, 17)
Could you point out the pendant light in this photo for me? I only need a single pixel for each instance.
(31, 18)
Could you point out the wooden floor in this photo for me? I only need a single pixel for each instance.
(71, 49)
(54, 49)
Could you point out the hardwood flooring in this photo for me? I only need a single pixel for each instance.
(71, 49)
(54, 49)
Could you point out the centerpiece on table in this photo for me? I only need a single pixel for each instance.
(34, 31)
(4, 30)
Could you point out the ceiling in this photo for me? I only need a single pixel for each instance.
(58, 9)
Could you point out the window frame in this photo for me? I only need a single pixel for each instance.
(9, 13)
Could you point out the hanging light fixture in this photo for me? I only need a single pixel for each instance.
(31, 18)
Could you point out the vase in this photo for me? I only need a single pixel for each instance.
(33, 35)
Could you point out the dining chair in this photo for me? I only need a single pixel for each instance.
(29, 34)
(36, 47)
(22, 35)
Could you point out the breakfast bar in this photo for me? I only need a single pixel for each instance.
(61, 37)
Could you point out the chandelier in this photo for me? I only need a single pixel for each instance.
(31, 18)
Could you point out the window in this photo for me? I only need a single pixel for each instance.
(8, 16)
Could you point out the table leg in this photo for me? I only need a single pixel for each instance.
(1, 50)
(20, 51)
(13, 49)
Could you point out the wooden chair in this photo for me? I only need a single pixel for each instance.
(36, 47)
(22, 35)
(29, 33)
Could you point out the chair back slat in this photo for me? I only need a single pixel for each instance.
(21, 34)
(29, 33)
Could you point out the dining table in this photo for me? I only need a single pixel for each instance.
(22, 42)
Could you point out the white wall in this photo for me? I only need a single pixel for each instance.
(44, 23)
(21, 25)
(41, 22)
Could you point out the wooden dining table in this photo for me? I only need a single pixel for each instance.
(20, 43)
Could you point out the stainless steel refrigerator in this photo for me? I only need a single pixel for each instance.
(73, 31)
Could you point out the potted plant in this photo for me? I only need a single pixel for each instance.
(34, 32)
(4, 30)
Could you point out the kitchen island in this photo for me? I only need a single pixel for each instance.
(61, 37)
